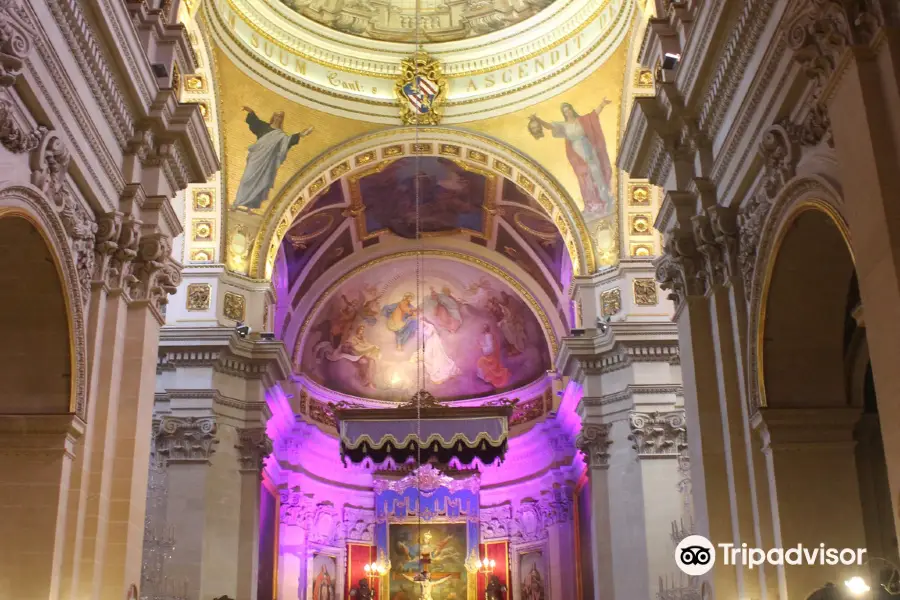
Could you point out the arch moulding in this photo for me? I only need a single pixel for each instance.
(479, 151)
(800, 195)
(27, 202)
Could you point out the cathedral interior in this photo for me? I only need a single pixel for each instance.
(449, 299)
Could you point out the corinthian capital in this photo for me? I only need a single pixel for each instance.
(156, 275)
(593, 441)
(253, 447)
(658, 433)
(186, 439)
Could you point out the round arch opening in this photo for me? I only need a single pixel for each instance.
(36, 360)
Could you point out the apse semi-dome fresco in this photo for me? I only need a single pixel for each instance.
(480, 337)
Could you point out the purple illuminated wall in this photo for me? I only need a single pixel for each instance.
(584, 528)
(268, 528)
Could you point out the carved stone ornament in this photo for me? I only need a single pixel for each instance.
(186, 439)
(679, 269)
(495, 522)
(556, 506)
(323, 524)
(820, 37)
(16, 33)
(155, 274)
(253, 447)
(529, 526)
(359, 524)
(593, 442)
(427, 479)
(658, 433)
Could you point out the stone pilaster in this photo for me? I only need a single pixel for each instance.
(253, 447)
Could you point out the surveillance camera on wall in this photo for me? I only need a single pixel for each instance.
(242, 330)
(603, 324)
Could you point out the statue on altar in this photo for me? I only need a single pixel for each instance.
(362, 591)
(495, 588)
(426, 583)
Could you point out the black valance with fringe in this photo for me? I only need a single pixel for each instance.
(446, 434)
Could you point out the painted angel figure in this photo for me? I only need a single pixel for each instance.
(264, 157)
(586, 151)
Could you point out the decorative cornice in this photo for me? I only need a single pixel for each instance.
(658, 434)
(593, 442)
(629, 392)
(186, 439)
(427, 479)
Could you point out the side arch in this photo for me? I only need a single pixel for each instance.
(29, 204)
(458, 144)
(801, 195)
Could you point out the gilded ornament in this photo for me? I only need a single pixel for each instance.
(639, 196)
(203, 200)
(198, 295)
(610, 302)
(339, 170)
(316, 185)
(525, 183)
(502, 167)
(234, 306)
(639, 224)
(641, 250)
(364, 158)
(395, 150)
(476, 156)
(644, 78)
(449, 150)
(201, 255)
(645, 292)
(421, 90)
(202, 230)
(204, 110)
(195, 83)
(421, 149)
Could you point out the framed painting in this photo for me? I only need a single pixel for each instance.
(325, 574)
(531, 572)
(445, 542)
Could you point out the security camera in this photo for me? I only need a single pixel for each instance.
(242, 330)
(603, 324)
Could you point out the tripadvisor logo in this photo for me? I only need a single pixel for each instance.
(695, 555)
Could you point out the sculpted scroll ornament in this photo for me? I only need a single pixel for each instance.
(658, 433)
(593, 442)
(359, 525)
(495, 522)
(15, 40)
(156, 275)
(186, 438)
(679, 269)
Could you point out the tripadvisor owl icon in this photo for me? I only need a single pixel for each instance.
(695, 555)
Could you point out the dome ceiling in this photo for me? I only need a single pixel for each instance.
(439, 20)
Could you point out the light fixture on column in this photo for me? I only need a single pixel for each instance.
(374, 572)
(859, 587)
(486, 566)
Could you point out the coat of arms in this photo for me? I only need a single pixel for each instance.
(421, 89)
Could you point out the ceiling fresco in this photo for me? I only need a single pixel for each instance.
(395, 20)
(452, 197)
(479, 337)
